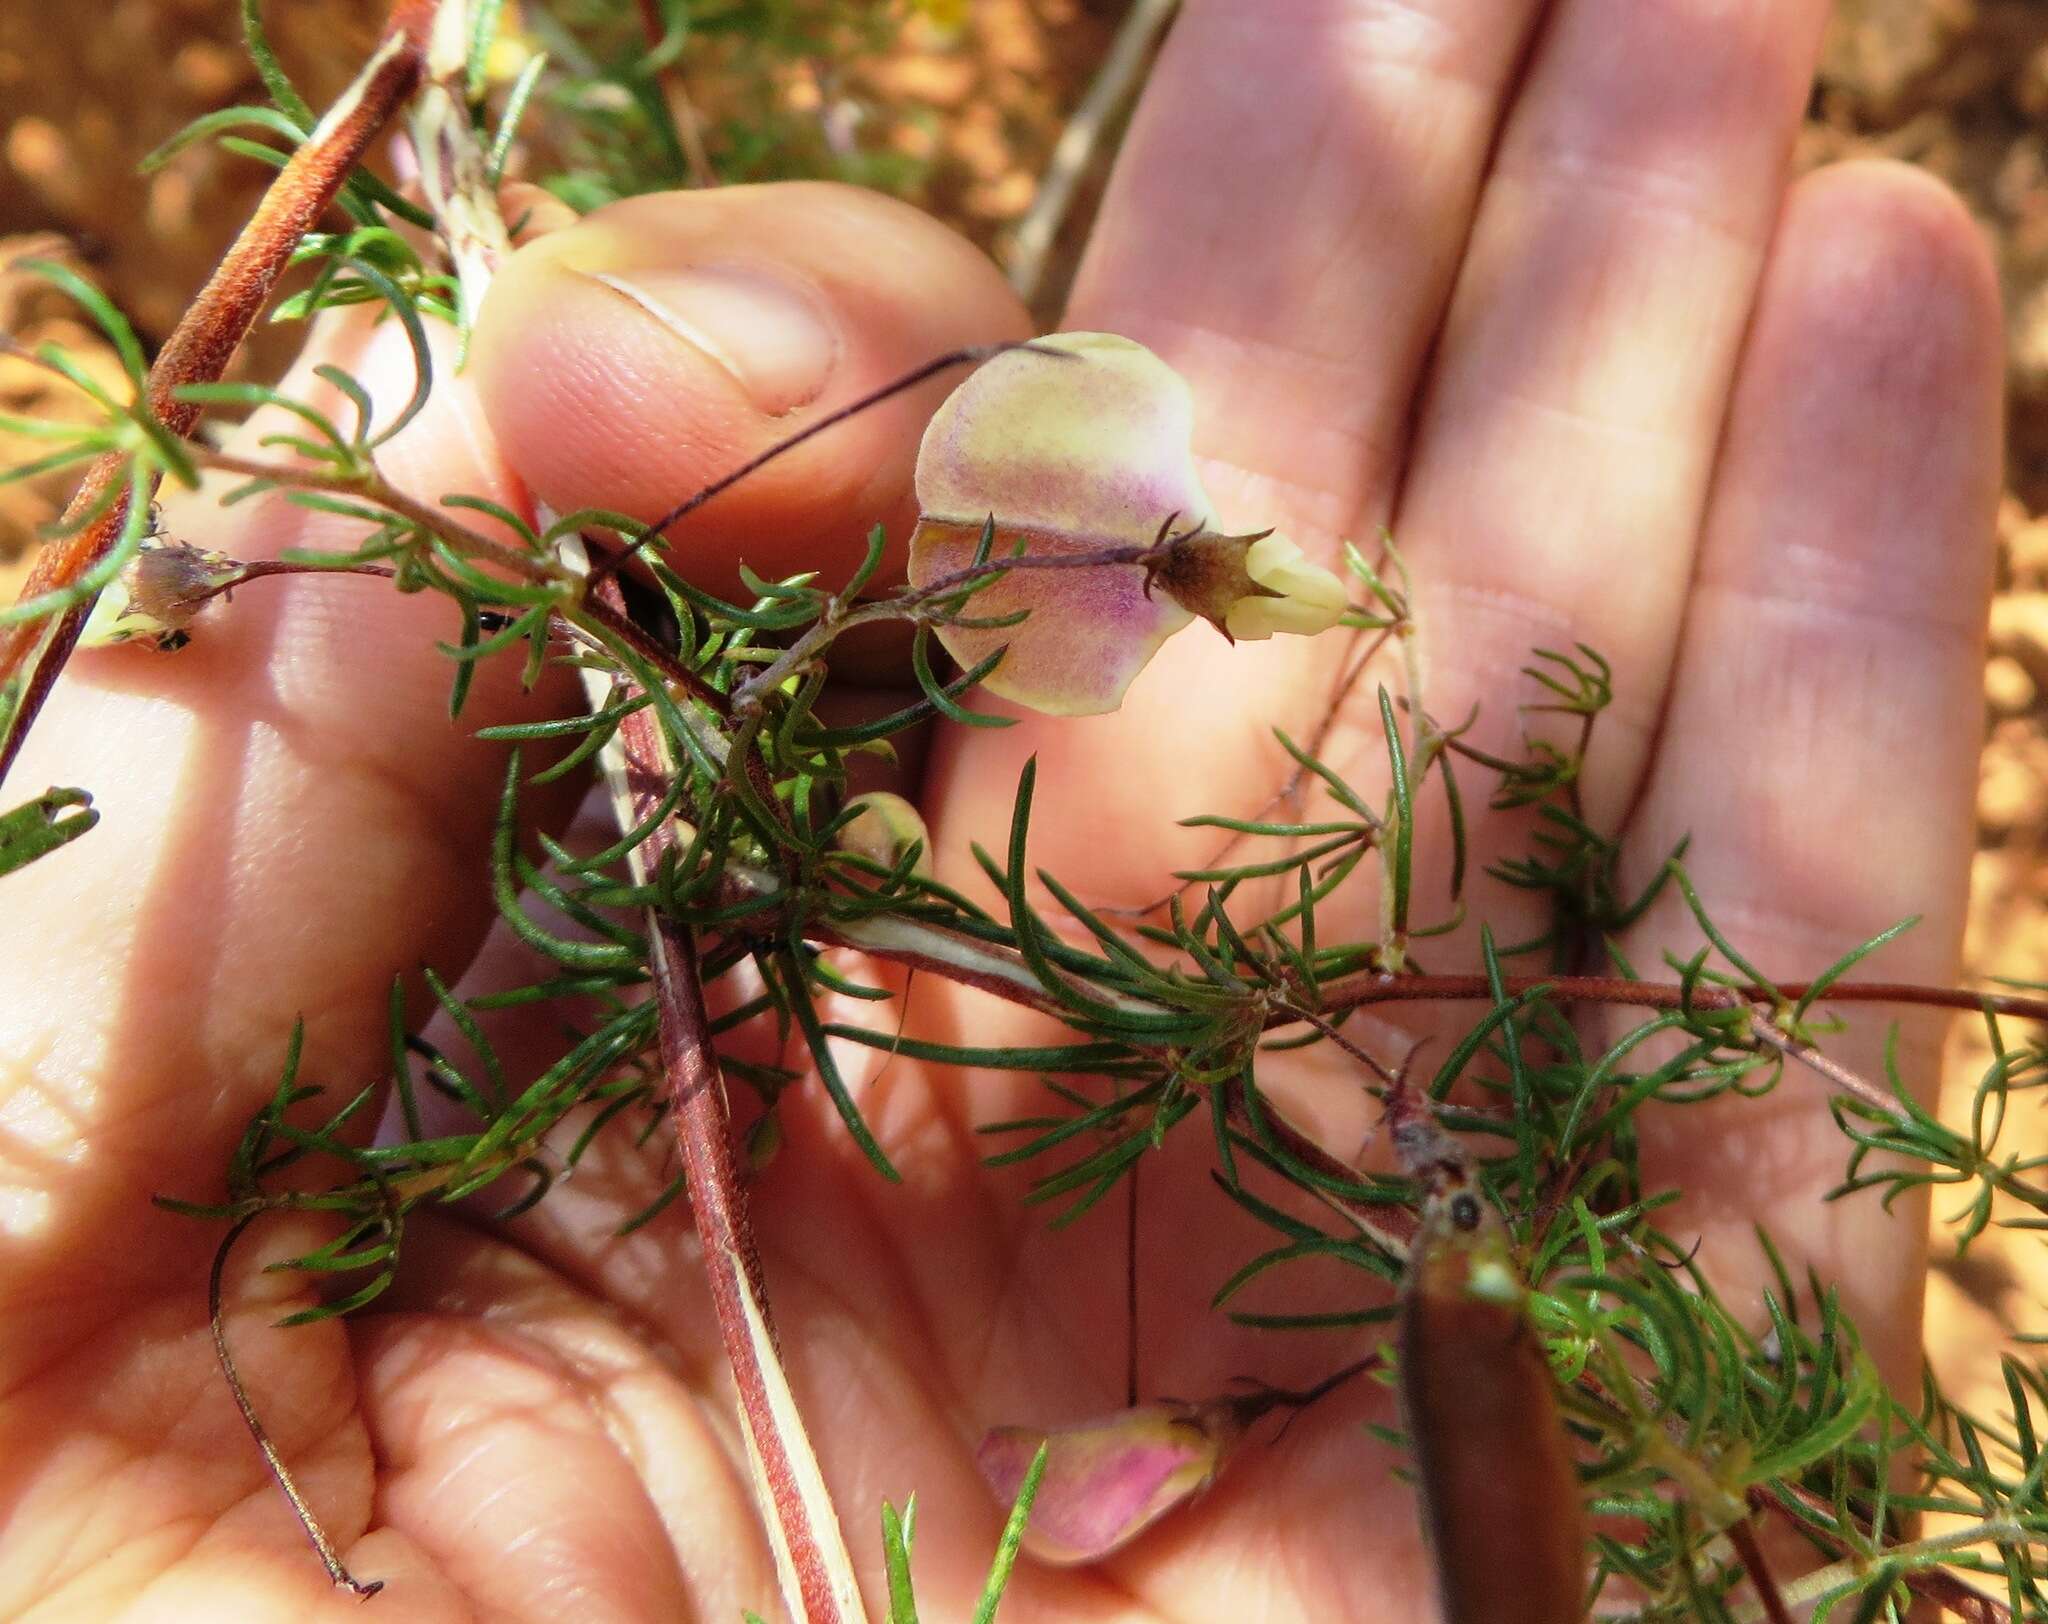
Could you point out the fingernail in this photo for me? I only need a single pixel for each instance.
(769, 335)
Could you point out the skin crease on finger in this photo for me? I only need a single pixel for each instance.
(936, 1306)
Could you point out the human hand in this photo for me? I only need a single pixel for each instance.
(1550, 313)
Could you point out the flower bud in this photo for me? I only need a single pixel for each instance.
(764, 1140)
(157, 596)
(1248, 586)
(1107, 1481)
(885, 827)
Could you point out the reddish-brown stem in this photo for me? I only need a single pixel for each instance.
(971, 355)
(732, 1263)
(273, 1460)
(205, 340)
(622, 626)
(1371, 987)
(718, 1205)
(1750, 1549)
(1131, 1284)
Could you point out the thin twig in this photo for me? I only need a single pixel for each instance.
(675, 96)
(806, 1537)
(1131, 1285)
(1372, 987)
(1114, 84)
(454, 167)
(970, 355)
(1750, 1549)
(1932, 1584)
(216, 1319)
(435, 521)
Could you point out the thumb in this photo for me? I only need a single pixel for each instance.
(630, 359)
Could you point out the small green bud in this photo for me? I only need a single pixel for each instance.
(764, 1140)
(885, 827)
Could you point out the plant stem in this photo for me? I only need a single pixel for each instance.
(802, 1526)
(1750, 1549)
(675, 99)
(732, 1261)
(1373, 987)
(1122, 70)
(454, 168)
(375, 488)
(1933, 1584)
(216, 1316)
(971, 355)
(204, 341)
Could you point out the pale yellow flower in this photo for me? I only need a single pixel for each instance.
(1310, 599)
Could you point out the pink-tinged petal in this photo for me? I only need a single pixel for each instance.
(1089, 634)
(1108, 1480)
(1090, 443)
(1080, 444)
(1072, 452)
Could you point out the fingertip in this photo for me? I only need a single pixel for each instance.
(532, 212)
(1872, 378)
(1879, 260)
(629, 359)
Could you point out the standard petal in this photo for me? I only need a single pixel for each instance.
(1090, 442)
(1075, 445)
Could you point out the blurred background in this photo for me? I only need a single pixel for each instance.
(961, 106)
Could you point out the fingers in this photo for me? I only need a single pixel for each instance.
(1283, 228)
(290, 817)
(1562, 457)
(1822, 739)
(1573, 396)
(634, 358)
(532, 1441)
(1284, 223)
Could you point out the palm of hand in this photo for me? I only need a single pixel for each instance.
(1665, 411)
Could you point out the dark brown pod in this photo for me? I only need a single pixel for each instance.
(1505, 1516)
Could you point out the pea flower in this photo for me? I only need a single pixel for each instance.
(1108, 1480)
(1079, 446)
